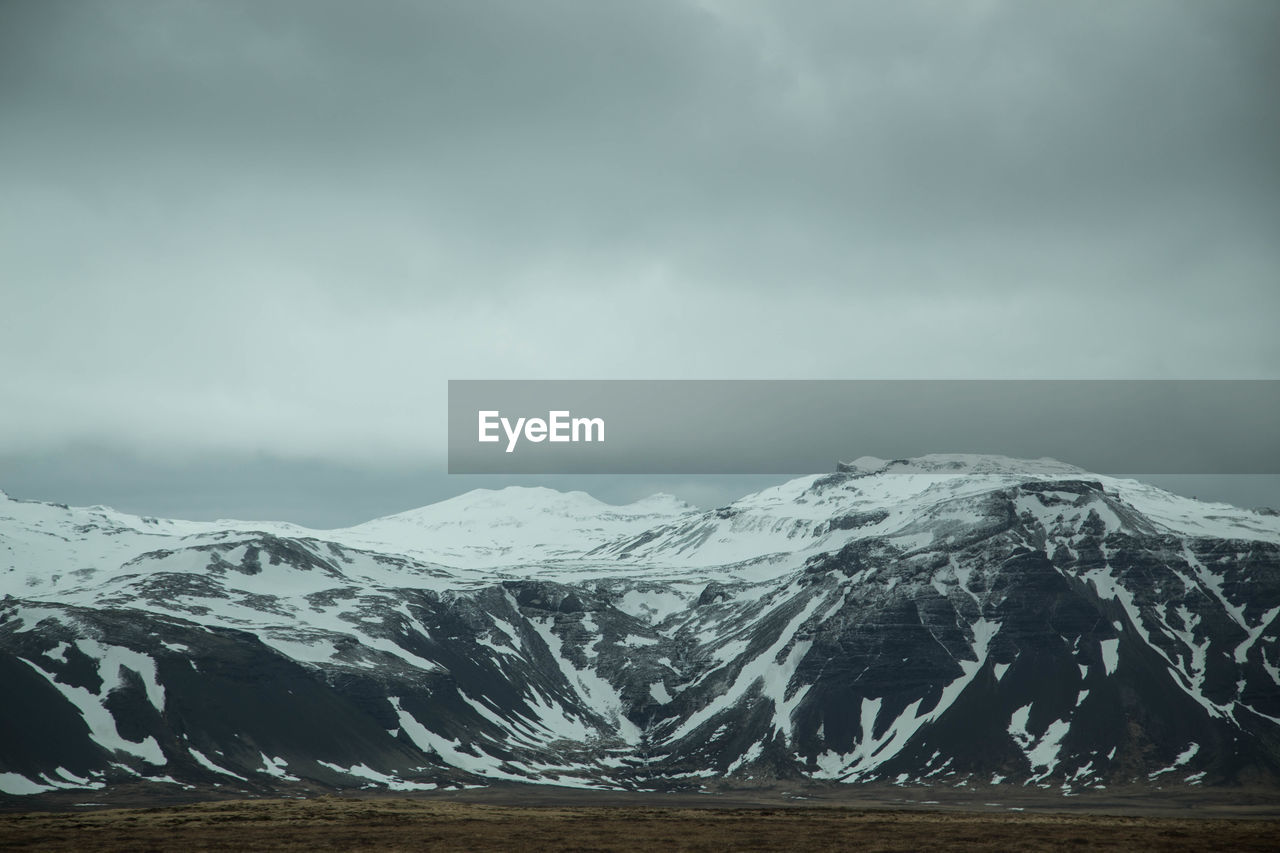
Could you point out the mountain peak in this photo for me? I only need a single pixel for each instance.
(662, 501)
(964, 463)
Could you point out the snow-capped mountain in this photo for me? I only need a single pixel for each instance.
(949, 619)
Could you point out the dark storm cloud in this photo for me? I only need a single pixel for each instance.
(722, 135)
(278, 227)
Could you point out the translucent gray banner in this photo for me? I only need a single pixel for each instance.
(805, 426)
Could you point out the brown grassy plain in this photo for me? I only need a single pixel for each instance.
(383, 824)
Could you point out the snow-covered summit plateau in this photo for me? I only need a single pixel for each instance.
(947, 619)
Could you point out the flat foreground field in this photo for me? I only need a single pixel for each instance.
(330, 823)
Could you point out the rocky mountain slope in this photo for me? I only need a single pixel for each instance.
(948, 620)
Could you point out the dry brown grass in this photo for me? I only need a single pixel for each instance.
(328, 823)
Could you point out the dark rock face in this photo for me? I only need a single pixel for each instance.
(1041, 633)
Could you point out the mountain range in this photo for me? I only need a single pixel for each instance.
(947, 620)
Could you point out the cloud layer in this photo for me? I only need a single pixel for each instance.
(279, 227)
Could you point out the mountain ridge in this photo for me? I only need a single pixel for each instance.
(946, 620)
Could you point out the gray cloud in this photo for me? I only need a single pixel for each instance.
(279, 227)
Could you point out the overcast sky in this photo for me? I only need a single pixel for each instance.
(260, 236)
